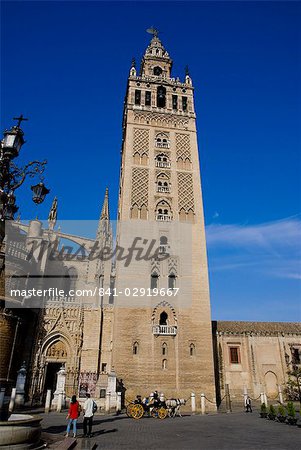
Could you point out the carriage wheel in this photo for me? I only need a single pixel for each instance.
(137, 411)
(162, 413)
(129, 410)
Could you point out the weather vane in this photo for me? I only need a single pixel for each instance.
(153, 31)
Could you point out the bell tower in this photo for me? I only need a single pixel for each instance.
(161, 340)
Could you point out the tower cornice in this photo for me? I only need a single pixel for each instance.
(174, 82)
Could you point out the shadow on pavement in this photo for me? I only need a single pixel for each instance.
(100, 432)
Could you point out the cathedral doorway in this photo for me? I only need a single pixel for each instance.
(56, 356)
(51, 376)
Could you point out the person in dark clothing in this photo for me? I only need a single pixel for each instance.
(156, 399)
(248, 404)
(89, 409)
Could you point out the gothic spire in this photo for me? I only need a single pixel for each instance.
(105, 206)
(52, 217)
(104, 228)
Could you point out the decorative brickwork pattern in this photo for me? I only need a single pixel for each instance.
(162, 120)
(139, 187)
(155, 266)
(183, 146)
(164, 304)
(141, 141)
(185, 191)
(173, 265)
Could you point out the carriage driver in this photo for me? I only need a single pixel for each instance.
(154, 397)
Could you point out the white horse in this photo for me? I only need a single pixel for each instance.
(173, 405)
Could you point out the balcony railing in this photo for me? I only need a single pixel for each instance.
(162, 144)
(163, 189)
(166, 330)
(163, 249)
(163, 217)
(163, 164)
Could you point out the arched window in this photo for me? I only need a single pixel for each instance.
(163, 318)
(144, 159)
(135, 348)
(187, 164)
(139, 213)
(143, 212)
(164, 242)
(190, 215)
(136, 158)
(162, 183)
(140, 159)
(163, 212)
(157, 70)
(162, 140)
(135, 212)
(171, 281)
(137, 97)
(154, 280)
(162, 160)
(191, 349)
(182, 215)
(161, 97)
(164, 364)
(164, 349)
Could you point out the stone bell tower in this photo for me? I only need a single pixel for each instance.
(162, 341)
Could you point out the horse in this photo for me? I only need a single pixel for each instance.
(173, 405)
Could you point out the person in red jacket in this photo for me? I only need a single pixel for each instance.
(73, 414)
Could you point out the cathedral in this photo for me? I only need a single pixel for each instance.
(140, 322)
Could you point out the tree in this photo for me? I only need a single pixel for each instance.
(293, 389)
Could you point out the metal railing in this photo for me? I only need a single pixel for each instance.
(163, 217)
(163, 164)
(163, 189)
(166, 330)
(162, 144)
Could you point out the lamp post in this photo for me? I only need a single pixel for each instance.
(11, 178)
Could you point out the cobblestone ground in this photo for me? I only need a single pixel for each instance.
(217, 431)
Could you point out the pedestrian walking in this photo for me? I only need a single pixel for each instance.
(248, 404)
(73, 415)
(90, 408)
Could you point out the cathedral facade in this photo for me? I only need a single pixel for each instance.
(147, 324)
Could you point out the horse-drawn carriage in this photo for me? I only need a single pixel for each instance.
(154, 406)
(148, 406)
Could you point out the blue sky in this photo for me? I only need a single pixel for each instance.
(65, 65)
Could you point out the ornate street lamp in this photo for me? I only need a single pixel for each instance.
(39, 193)
(12, 142)
(12, 176)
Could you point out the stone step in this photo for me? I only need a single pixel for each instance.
(65, 444)
(73, 443)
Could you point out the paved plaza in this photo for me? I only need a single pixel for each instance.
(216, 431)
